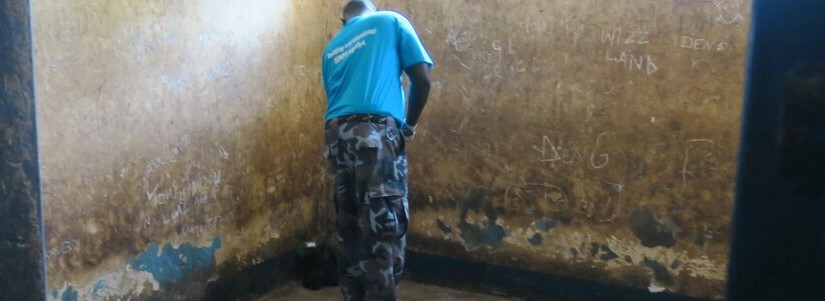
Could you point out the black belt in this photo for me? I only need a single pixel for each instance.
(370, 118)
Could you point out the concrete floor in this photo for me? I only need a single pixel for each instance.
(408, 292)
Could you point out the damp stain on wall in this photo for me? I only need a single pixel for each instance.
(581, 138)
(165, 124)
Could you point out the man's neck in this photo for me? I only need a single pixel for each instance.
(361, 14)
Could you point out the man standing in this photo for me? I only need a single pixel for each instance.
(368, 124)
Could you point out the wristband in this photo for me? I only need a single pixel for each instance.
(408, 132)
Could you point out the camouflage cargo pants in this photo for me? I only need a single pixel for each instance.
(369, 168)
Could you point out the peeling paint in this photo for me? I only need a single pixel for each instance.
(661, 275)
(98, 286)
(443, 227)
(675, 264)
(536, 240)
(169, 264)
(608, 254)
(69, 295)
(487, 233)
(121, 284)
(157, 269)
(594, 249)
(546, 224)
(652, 230)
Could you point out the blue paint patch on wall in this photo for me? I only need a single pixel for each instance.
(69, 295)
(546, 224)
(536, 240)
(54, 293)
(169, 265)
(486, 233)
(99, 285)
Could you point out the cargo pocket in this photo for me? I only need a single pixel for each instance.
(388, 217)
(389, 177)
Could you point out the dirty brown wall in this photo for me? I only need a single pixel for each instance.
(588, 139)
(179, 140)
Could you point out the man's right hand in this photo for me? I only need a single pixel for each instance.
(419, 75)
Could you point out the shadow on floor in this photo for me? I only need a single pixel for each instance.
(409, 291)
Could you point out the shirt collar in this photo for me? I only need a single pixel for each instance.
(356, 18)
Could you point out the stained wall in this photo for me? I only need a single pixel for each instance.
(587, 139)
(179, 140)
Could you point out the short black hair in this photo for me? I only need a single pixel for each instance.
(355, 7)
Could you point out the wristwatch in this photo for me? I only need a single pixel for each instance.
(408, 132)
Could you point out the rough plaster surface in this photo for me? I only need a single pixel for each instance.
(590, 139)
(168, 124)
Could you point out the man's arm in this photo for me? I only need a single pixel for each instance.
(419, 75)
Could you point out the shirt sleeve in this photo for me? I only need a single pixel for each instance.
(411, 49)
(325, 74)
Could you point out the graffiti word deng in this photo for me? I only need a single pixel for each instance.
(558, 152)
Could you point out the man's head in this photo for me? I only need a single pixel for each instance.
(356, 8)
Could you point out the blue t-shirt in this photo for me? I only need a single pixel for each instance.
(363, 64)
